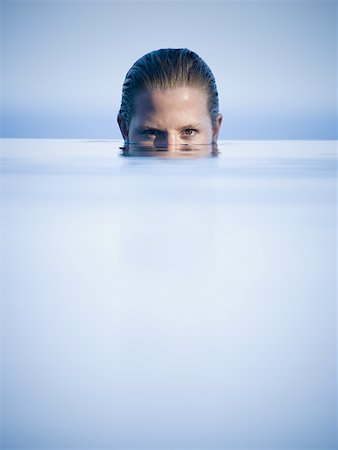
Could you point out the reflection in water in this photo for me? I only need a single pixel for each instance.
(177, 151)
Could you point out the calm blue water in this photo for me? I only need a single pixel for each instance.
(169, 303)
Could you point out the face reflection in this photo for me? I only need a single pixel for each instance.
(185, 151)
(174, 119)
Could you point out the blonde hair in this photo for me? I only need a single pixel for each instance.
(165, 69)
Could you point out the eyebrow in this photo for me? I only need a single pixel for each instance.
(194, 125)
(150, 127)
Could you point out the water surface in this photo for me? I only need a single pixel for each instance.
(185, 302)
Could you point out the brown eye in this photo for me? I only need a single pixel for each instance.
(189, 132)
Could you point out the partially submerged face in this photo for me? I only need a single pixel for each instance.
(170, 119)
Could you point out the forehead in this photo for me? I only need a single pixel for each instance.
(171, 105)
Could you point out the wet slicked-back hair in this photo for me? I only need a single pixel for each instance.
(165, 69)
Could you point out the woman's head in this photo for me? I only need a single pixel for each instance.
(165, 91)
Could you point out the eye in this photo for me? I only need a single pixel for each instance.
(189, 132)
(151, 132)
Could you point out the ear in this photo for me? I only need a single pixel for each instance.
(216, 128)
(123, 127)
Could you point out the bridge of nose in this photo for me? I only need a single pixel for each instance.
(168, 138)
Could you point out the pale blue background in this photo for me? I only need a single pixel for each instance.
(64, 63)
